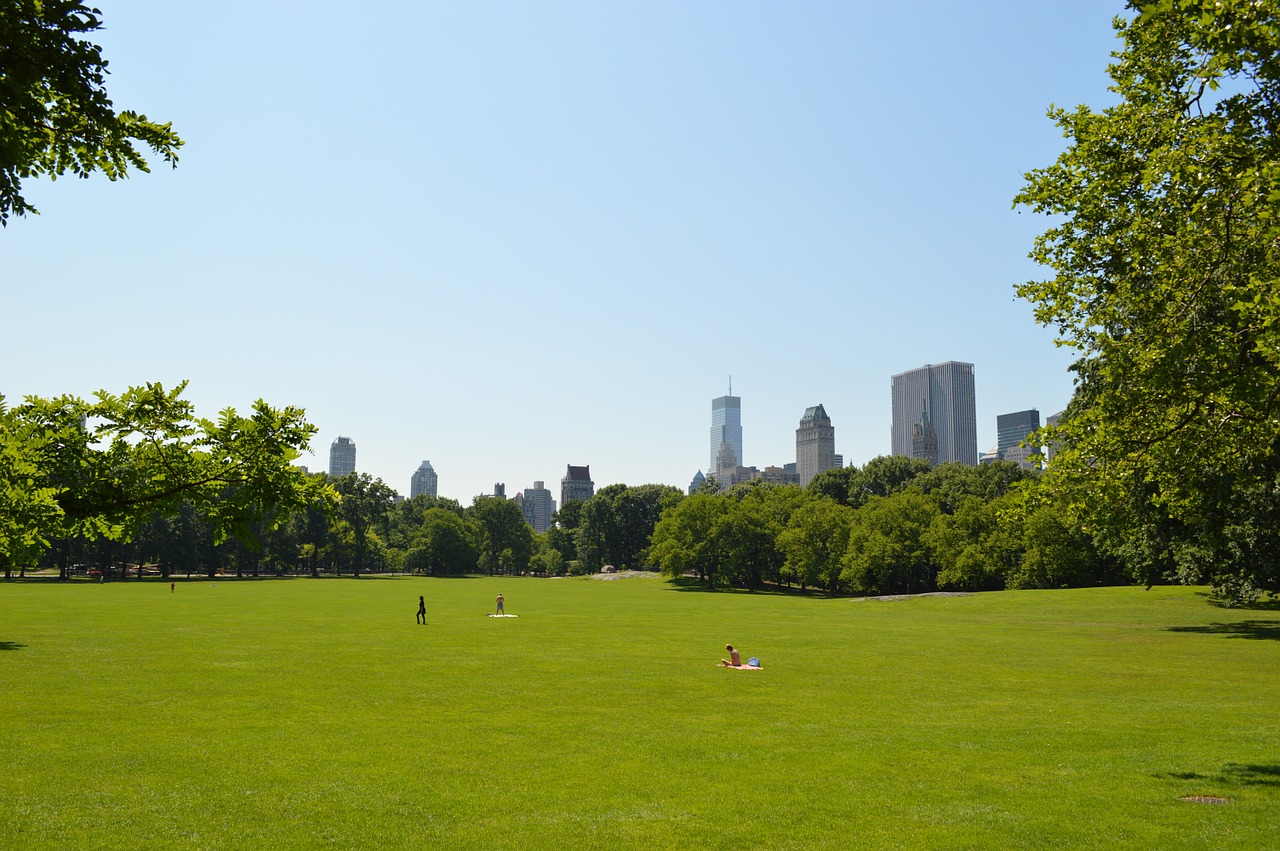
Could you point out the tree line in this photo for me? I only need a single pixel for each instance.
(897, 525)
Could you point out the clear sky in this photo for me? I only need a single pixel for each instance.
(507, 237)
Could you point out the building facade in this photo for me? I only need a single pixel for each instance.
(538, 506)
(342, 457)
(924, 439)
(577, 485)
(815, 444)
(945, 393)
(425, 482)
(726, 428)
(1012, 429)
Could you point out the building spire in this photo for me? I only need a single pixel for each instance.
(730, 385)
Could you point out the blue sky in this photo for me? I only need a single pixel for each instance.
(508, 237)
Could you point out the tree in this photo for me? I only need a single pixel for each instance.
(445, 544)
(506, 538)
(71, 468)
(888, 551)
(950, 483)
(363, 503)
(56, 117)
(686, 540)
(1165, 256)
(815, 541)
(973, 549)
(616, 524)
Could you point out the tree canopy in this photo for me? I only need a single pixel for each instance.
(1165, 254)
(55, 116)
(101, 469)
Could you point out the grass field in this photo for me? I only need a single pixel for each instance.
(316, 713)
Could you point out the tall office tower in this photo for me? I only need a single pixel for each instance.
(726, 427)
(815, 444)
(698, 481)
(500, 490)
(576, 485)
(538, 506)
(342, 457)
(424, 481)
(945, 392)
(1012, 429)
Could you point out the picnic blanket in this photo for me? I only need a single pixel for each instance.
(504, 616)
(742, 667)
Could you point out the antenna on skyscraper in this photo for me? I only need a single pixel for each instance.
(730, 385)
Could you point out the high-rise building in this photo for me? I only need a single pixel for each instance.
(538, 506)
(342, 457)
(698, 481)
(726, 427)
(945, 393)
(815, 444)
(576, 485)
(424, 481)
(1012, 429)
(924, 438)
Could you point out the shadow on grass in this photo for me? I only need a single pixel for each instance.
(688, 583)
(11, 645)
(1235, 774)
(1254, 629)
(1271, 604)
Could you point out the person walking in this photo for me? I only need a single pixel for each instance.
(500, 611)
(422, 610)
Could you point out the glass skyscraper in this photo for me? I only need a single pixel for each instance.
(1012, 429)
(424, 481)
(342, 457)
(726, 427)
(945, 392)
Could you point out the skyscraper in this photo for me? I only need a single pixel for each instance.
(726, 427)
(424, 481)
(1012, 429)
(342, 457)
(576, 485)
(538, 506)
(815, 444)
(944, 392)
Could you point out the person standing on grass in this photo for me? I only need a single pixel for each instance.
(500, 611)
(422, 610)
(734, 660)
(171, 587)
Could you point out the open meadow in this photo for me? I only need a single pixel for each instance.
(315, 712)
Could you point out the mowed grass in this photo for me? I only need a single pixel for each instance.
(316, 713)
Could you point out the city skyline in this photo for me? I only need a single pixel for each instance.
(653, 184)
(813, 416)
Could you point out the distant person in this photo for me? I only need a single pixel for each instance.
(422, 610)
(171, 587)
(500, 611)
(734, 660)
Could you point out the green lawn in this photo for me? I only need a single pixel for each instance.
(312, 713)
